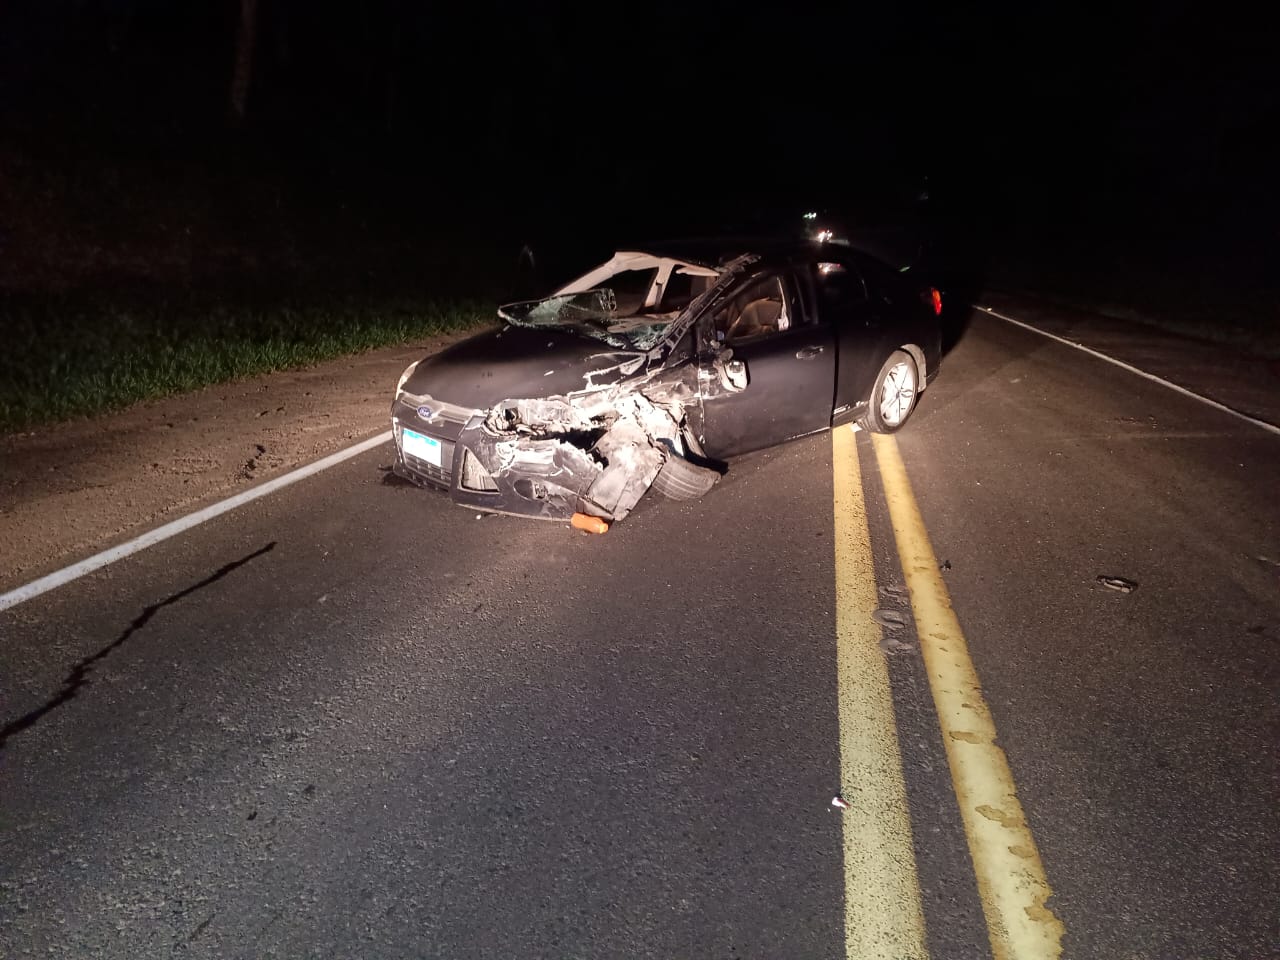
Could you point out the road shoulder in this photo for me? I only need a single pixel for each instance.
(1249, 385)
(74, 488)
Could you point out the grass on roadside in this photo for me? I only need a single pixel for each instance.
(62, 359)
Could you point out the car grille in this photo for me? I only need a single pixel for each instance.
(448, 412)
(428, 471)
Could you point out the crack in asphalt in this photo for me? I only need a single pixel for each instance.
(79, 675)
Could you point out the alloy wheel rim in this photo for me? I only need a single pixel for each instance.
(898, 393)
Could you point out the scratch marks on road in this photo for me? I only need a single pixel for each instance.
(78, 678)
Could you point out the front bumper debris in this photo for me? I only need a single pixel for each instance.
(594, 453)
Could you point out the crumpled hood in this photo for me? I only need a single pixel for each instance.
(519, 362)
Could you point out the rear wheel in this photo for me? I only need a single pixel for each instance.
(681, 480)
(894, 395)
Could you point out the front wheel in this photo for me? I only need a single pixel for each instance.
(894, 395)
(681, 480)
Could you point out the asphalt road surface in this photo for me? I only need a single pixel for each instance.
(352, 720)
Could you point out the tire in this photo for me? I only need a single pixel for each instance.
(889, 405)
(681, 480)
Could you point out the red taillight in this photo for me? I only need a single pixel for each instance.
(936, 299)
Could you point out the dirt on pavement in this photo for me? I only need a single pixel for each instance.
(72, 489)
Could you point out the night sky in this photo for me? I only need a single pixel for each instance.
(1052, 121)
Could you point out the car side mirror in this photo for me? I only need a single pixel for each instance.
(718, 366)
(733, 376)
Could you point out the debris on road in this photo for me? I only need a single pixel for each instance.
(1117, 583)
(895, 593)
(945, 565)
(588, 523)
(889, 619)
(889, 644)
(839, 802)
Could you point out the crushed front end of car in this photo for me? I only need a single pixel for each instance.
(596, 452)
(553, 458)
(626, 400)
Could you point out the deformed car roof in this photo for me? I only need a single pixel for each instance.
(587, 306)
(716, 250)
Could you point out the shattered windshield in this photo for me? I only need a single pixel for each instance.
(592, 313)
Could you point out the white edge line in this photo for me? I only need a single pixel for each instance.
(175, 527)
(1269, 427)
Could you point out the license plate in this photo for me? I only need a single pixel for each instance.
(423, 448)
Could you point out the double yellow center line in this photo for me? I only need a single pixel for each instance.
(883, 916)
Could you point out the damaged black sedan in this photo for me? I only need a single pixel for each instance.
(658, 367)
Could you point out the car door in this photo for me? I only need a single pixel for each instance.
(859, 324)
(766, 368)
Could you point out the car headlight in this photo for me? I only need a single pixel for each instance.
(474, 476)
(408, 372)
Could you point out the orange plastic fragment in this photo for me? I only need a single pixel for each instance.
(583, 521)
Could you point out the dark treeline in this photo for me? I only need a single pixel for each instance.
(533, 119)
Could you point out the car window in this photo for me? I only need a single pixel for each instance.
(883, 284)
(630, 288)
(762, 309)
(841, 290)
(680, 290)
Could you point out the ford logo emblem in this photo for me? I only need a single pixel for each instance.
(425, 412)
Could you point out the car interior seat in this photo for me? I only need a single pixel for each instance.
(757, 317)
